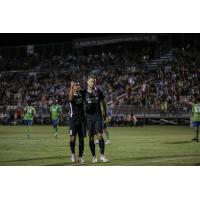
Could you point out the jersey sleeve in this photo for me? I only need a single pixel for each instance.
(101, 95)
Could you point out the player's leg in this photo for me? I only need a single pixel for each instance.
(81, 143)
(72, 143)
(29, 124)
(96, 139)
(72, 147)
(196, 128)
(197, 134)
(91, 133)
(55, 127)
(26, 131)
(105, 129)
(134, 121)
(99, 129)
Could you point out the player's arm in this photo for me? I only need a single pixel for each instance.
(24, 111)
(71, 92)
(82, 91)
(104, 109)
(60, 111)
(103, 103)
(34, 112)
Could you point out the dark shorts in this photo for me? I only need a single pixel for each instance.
(94, 125)
(28, 122)
(77, 126)
(55, 122)
(196, 123)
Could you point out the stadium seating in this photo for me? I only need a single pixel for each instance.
(133, 81)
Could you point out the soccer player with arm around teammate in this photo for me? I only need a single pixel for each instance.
(94, 116)
(29, 113)
(76, 120)
(195, 116)
(55, 111)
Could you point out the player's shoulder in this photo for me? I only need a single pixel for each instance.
(83, 91)
(99, 92)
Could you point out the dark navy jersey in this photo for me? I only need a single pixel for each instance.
(93, 101)
(76, 108)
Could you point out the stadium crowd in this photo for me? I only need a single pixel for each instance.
(171, 85)
(117, 73)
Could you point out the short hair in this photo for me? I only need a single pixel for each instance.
(76, 82)
(91, 76)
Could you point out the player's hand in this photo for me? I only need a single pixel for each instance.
(72, 84)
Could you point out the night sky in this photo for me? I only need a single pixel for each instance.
(20, 39)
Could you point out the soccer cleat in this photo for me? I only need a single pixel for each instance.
(103, 158)
(97, 142)
(73, 158)
(108, 142)
(80, 160)
(194, 139)
(94, 159)
(28, 136)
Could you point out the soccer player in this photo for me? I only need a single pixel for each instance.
(195, 117)
(55, 111)
(29, 113)
(76, 120)
(94, 115)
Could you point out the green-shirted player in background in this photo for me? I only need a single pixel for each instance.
(29, 113)
(55, 111)
(195, 117)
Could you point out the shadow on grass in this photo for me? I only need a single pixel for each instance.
(32, 159)
(114, 162)
(126, 161)
(197, 164)
(179, 142)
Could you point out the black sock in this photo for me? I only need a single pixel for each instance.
(72, 146)
(197, 133)
(81, 146)
(102, 145)
(92, 147)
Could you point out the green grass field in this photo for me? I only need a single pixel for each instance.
(148, 145)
